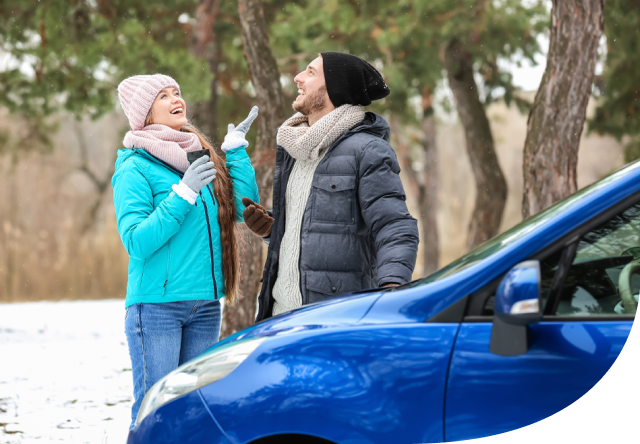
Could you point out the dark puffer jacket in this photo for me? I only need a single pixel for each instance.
(356, 230)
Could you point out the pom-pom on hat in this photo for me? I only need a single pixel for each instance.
(137, 93)
(351, 80)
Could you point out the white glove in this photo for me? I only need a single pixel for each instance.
(235, 137)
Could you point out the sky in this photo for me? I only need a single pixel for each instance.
(528, 77)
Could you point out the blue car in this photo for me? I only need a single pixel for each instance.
(507, 335)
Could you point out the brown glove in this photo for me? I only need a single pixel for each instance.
(256, 218)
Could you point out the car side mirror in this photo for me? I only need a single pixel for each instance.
(517, 305)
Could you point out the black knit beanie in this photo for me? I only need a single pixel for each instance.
(350, 80)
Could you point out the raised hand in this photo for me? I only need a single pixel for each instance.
(246, 123)
(235, 137)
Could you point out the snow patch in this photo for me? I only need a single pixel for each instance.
(65, 372)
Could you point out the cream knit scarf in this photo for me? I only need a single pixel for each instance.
(304, 142)
(308, 145)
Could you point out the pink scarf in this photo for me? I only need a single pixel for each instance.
(164, 143)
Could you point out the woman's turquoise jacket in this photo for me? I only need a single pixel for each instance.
(174, 247)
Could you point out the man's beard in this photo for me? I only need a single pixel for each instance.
(312, 103)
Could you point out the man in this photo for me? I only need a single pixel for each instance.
(340, 222)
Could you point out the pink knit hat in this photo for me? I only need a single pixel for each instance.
(137, 94)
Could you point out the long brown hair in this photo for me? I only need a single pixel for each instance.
(223, 190)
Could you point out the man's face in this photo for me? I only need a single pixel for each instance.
(312, 89)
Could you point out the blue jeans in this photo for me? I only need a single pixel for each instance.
(163, 336)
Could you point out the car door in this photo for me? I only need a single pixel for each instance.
(584, 328)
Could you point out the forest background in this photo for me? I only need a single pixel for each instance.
(477, 152)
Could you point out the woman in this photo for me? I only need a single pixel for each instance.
(177, 223)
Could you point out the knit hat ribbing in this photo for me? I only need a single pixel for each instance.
(137, 93)
(351, 80)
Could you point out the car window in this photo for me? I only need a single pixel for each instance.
(508, 237)
(593, 283)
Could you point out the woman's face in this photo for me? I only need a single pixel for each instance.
(169, 109)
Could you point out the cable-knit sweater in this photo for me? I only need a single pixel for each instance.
(308, 145)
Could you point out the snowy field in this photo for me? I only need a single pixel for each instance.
(65, 373)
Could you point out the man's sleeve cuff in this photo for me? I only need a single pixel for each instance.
(182, 190)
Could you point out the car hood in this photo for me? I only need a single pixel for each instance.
(336, 312)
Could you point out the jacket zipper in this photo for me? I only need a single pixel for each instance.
(164, 287)
(213, 274)
(209, 187)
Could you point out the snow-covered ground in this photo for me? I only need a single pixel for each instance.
(65, 373)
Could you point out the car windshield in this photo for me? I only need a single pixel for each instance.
(497, 243)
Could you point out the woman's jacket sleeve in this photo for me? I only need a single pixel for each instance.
(243, 177)
(143, 229)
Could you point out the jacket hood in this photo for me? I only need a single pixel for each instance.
(123, 154)
(373, 124)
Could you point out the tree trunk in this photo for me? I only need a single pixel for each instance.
(203, 44)
(557, 117)
(101, 185)
(424, 186)
(429, 196)
(265, 78)
(490, 183)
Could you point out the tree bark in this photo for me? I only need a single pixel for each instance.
(265, 78)
(428, 197)
(490, 183)
(557, 117)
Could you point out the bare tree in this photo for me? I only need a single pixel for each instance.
(101, 184)
(491, 186)
(557, 117)
(265, 78)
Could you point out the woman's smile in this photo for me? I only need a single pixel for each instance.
(178, 110)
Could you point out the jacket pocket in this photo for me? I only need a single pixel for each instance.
(156, 271)
(321, 285)
(335, 199)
